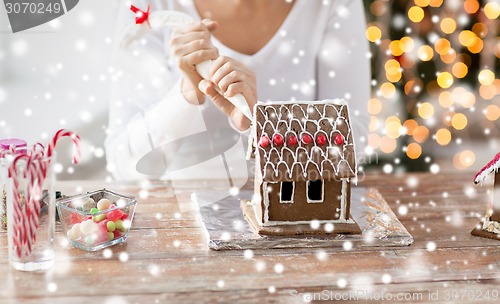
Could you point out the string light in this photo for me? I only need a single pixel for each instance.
(440, 105)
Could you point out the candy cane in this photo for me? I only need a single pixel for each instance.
(18, 233)
(65, 133)
(38, 147)
(27, 217)
(36, 173)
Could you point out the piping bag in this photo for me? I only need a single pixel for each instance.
(146, 21)
(183, 152)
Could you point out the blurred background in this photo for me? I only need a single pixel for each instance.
(435, 102)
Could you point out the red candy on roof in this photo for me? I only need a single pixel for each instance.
(292, 140)
(264, 141)
(339, 140)
(306, 139)
(321, 139)
(301, 140)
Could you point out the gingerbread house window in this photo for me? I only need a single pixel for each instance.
(286, 192)
(315, 191)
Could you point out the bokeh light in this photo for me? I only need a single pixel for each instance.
(471, 6)
(388, 90)
(437, 86)
(460, 70)
(436, 3)
(445, 80)
(467, 38)
(445, 99)
(448, 25)
(459, 121)
(422, 3)
(420, 134)
(373, 33)
(443, 137)
(492, 112)
(414, 150)
(374, 106)
(425, 53)
(442, 46)
(426, 110)
(387, 144)
(492, 10)
(416, 14)
(486, 77)
(410, 125)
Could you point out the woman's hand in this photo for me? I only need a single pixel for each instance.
(229, 77)
(190, 46)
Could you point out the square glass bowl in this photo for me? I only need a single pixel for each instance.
(96, 220)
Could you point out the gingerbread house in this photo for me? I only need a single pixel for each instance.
(490, 226)
(304, 166)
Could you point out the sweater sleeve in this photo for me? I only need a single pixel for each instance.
(344, 65)
(147, 108)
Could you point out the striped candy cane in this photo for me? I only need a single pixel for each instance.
(65, 133)
(26, 217)
(19, 232)
(36, 172)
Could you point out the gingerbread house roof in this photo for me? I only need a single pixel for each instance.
(299, 141)
(490, 167)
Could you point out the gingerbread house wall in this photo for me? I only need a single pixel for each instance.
(496, 198)
(334, 207)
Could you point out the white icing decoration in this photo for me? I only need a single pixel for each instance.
(312, 110)
(343, 199)
(491, 226)
(279, 223)
(487, 171)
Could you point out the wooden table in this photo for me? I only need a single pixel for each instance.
(165, 259)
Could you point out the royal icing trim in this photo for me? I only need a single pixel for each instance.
(492, 166)
(284, 117)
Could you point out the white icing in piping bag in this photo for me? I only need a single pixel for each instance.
(174, 19)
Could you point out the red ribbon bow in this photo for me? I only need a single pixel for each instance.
(140, 16)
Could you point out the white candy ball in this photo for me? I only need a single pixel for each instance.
(71, 235)
(103, 204)
(77, 233)
(74, 233)
(88, 227)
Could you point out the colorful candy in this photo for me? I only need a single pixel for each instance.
(114, 215)
(103, 204)
(106, 222)
(88, 227)
(111, 226)
(99, 218)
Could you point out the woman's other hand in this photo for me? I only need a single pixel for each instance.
(190, 46)
(229, 77)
